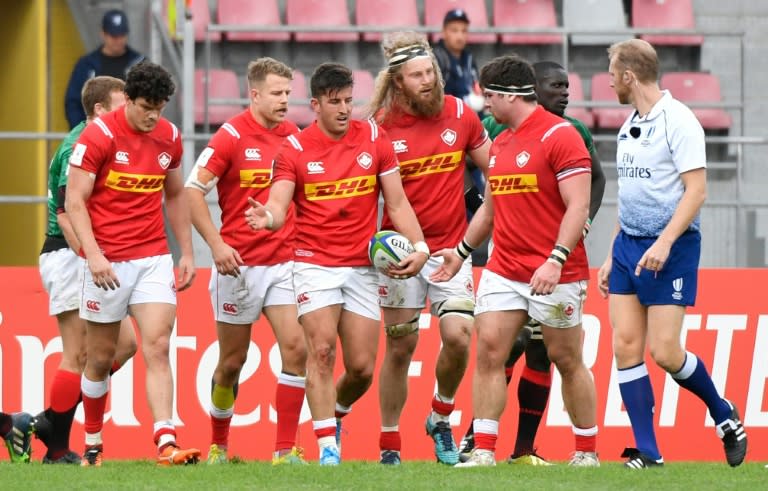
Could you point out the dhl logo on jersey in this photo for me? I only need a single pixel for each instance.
(134, 183)
(255, 178)
(513, 184)
(344, 188)
(432, 164)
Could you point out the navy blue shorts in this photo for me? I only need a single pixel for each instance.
(675, 284)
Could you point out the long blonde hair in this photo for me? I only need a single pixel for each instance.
(385, 91)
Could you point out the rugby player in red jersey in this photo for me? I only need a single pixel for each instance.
(121, 168)
(537, 202)
(333, 172)
(61, 270)
(432, 135)
(252, 271)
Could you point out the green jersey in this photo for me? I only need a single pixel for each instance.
(494, 128)
(57, 178)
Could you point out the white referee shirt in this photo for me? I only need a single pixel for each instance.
(651, 154)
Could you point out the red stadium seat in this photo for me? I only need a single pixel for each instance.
(576, 93)
(222, 84)
(201, 17)
(319, 13)
(242, 12)
(385, 13)
(435, 10)
(298, 106)
(362, 92)
(698, 87)
(669, 14)
(607, 117)
(526, 13)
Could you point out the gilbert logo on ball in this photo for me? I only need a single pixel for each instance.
(388, 247)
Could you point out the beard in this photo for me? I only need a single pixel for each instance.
(420, 106)
(622, 94)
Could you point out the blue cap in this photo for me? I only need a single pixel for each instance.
(115, 23)
(454, 15)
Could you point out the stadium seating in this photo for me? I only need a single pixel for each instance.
(434, 12)
(241, 12)
(607, 117)
(576, 93)
(201, 17)
(362, 92)
(669, 14)
(319, 13)
(594, 15)
(526, 13)
(222, 84)
(385, 13)
(698, 87)
(298, 108)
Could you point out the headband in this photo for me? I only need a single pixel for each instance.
(512, 89)
(407, 53)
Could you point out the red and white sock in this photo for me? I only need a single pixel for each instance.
(164, 434)
(94, 404)
(289, 397)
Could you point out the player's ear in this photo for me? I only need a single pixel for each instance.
(315, 104)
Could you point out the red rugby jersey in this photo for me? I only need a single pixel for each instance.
(337, 190)
(525, 168)
(130, 167)
(240, 154)
(432, 154)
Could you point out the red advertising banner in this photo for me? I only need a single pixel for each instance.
(728, 329)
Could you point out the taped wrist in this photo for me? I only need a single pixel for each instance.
(463, 250)
(559, 255)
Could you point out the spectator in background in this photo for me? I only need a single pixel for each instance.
(460, 77)
(114, 57)
(456, 62)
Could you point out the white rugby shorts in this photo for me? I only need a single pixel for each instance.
(413, 292)
(321, 286)
(240, 300)
(145, 280)
(563, 308)
(62, 274)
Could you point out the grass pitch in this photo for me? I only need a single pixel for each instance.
(358, 475)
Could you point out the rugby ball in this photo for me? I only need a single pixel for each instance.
(388, 247)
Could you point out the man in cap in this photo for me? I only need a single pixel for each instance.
(456, 62)
(113, 58)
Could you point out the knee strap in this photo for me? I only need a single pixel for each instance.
(463, 307)
(404, 329)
